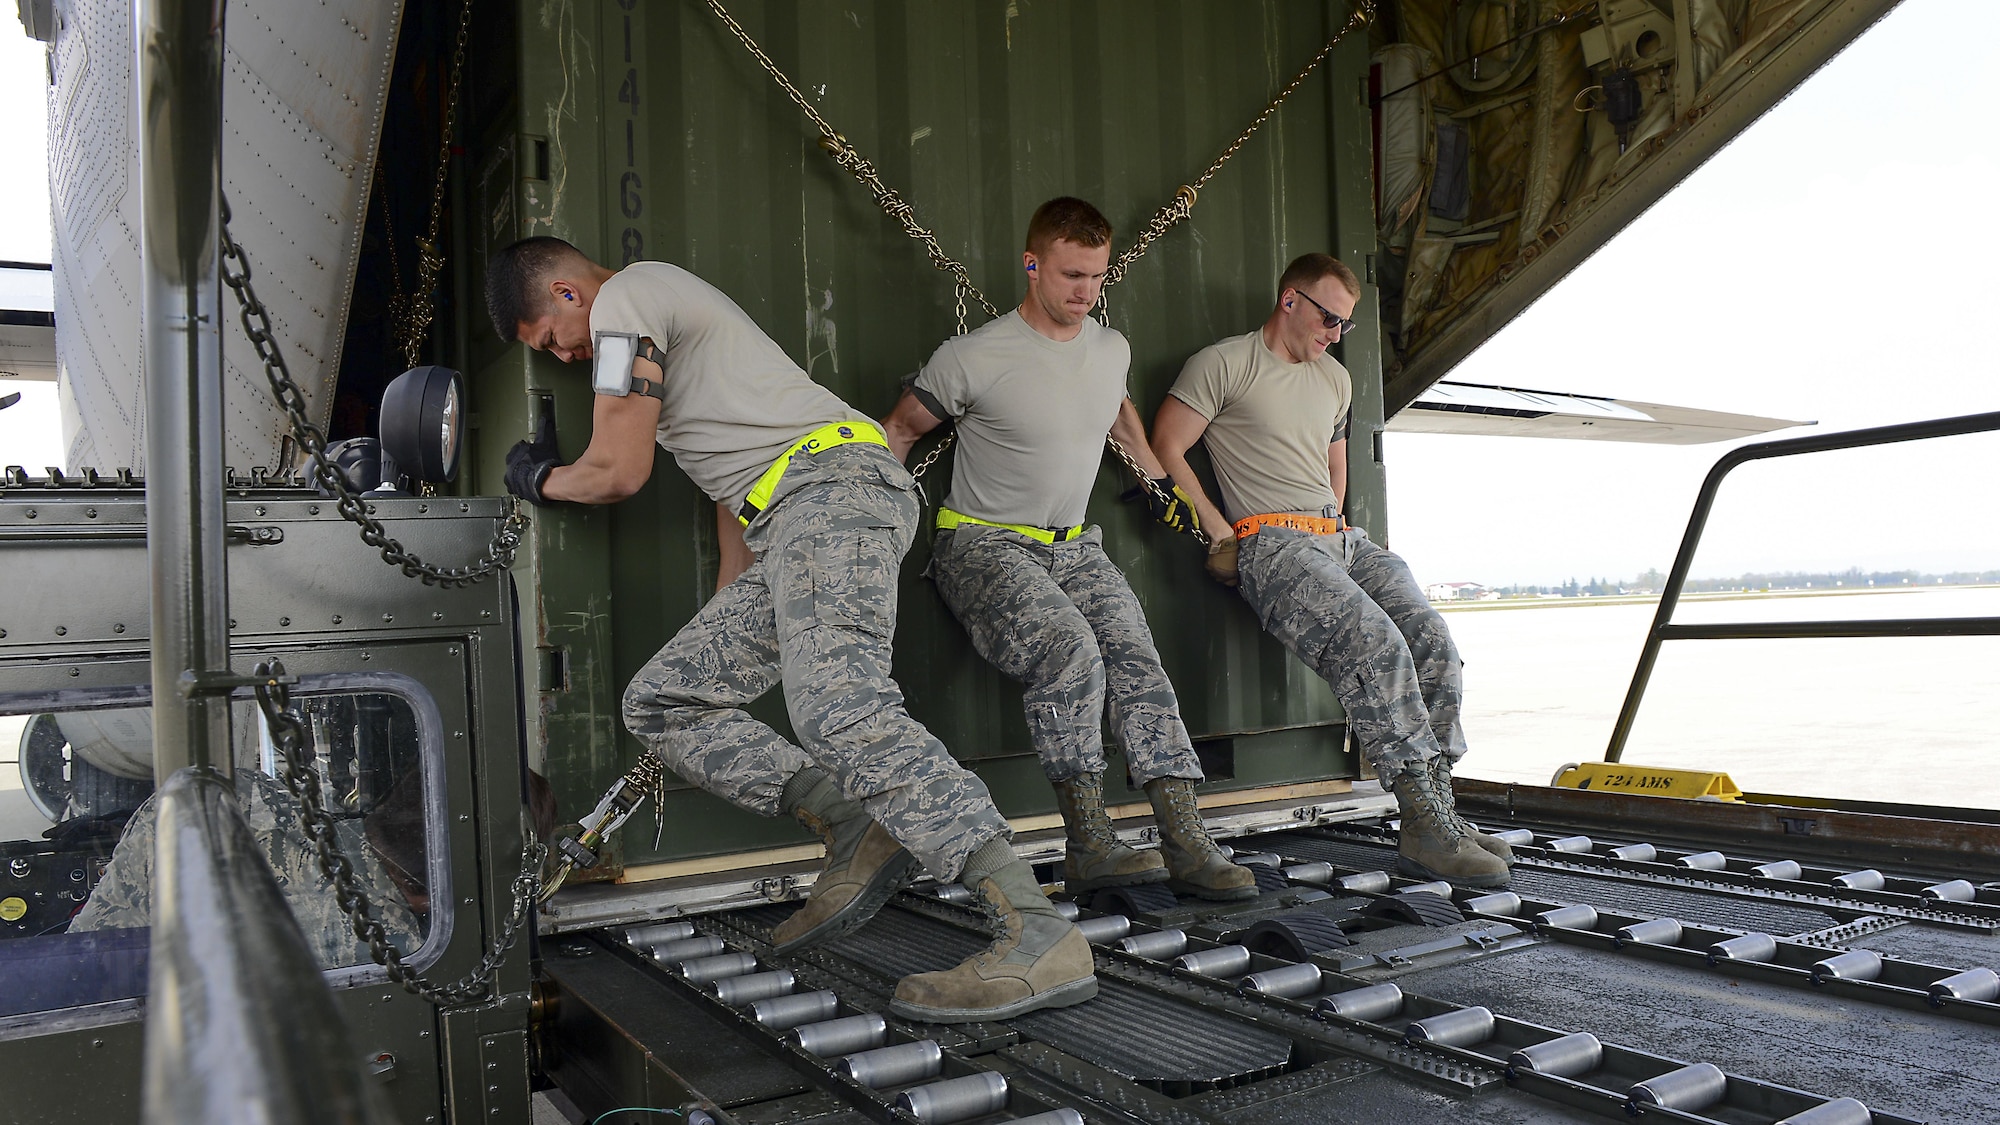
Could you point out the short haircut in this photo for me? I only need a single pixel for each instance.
(1311, 269)
(1068, 219)
(515, 277)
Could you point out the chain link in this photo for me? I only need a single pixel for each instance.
(1146, 481)
(848, 157)
(893, 204)
(411, 320)
(1181, 206)
(499, 554)
(302, 780)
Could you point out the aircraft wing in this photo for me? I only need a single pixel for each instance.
(27, 322)
(1467, 408)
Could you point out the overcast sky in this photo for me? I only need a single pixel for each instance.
(1834, 264)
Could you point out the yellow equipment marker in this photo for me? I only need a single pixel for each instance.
(1649, 781)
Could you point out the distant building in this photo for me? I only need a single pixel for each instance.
(1454, 591)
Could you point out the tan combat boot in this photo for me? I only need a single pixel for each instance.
(864, 864)
(1093, 856)
(1432, 845)
(1038, 960)
(1440, 769)
(1195, 866)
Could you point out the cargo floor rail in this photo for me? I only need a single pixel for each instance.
(1663, 627)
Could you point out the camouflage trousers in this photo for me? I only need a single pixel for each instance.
(1062, 620)
(815, 613)
(1351, 611)
(123, 899)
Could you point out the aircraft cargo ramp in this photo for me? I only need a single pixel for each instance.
(1747, 964)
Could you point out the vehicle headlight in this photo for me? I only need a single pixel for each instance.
(423, 417)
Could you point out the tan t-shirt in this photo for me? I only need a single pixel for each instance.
(1032, 414)
(734, 400)
(1269, 423)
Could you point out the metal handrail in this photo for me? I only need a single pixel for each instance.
(1663, 628)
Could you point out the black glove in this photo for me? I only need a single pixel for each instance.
(1176, 510)
(529, 463)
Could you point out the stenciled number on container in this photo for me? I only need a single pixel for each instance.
(631, 197)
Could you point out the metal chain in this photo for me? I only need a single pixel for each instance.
(414, 312)
(499, 554)
(1182, 204)
(848, 157)
(1146, 481)
(301, 779)
(1180, 208)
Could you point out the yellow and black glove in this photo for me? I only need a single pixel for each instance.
(1168, 504)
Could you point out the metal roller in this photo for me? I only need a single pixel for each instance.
(1228, 852)
(1318, 872)
(1222, 961)
(1504, 903)
(782, 1013)
(748, 989)
(1374, 1003)
(893, 1066)
(1063, 1116)
(953, 892)
(1855, 964)
(1104, 929)
(1689, 1089)
(1642, 853)
(1839, 1111)
(1866, 879)
(955, 1099)
(1568, 1056)
(1577, 917)
(687, 949)
(1261, 859)
(1290, 981)
(1514, 837)
(1704, 861)
(1158, 945)
(639, 937)
(1366, 882)
(839, 1037)
(1972, 984)
(1066, 908)
(1653, 931)
(703, 970)
(1461, 1028)
(1749, 947)
(1570, 844)
(1436, 887)
(1782, 869)
(1957, 890)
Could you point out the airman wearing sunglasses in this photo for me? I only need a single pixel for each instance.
(1272, 407)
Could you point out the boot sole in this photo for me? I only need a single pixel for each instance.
(888, 879)
(1061, 996)
(1409, 866)
(1233, 894)
(1138, 879)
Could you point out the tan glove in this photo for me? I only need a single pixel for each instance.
(1221, 562)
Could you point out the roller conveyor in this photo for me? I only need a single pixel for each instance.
(1260, 1035)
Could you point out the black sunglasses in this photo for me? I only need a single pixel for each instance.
(1328, 317)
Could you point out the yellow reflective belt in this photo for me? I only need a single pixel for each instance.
(946, 518)
(819, 441)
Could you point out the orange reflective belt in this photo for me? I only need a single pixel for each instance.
(1317, 525)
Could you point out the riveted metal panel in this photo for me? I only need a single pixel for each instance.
(646, 131)
(303, 95)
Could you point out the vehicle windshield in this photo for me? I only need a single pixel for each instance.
(77, 835)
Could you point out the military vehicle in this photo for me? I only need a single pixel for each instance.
(192, 588)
